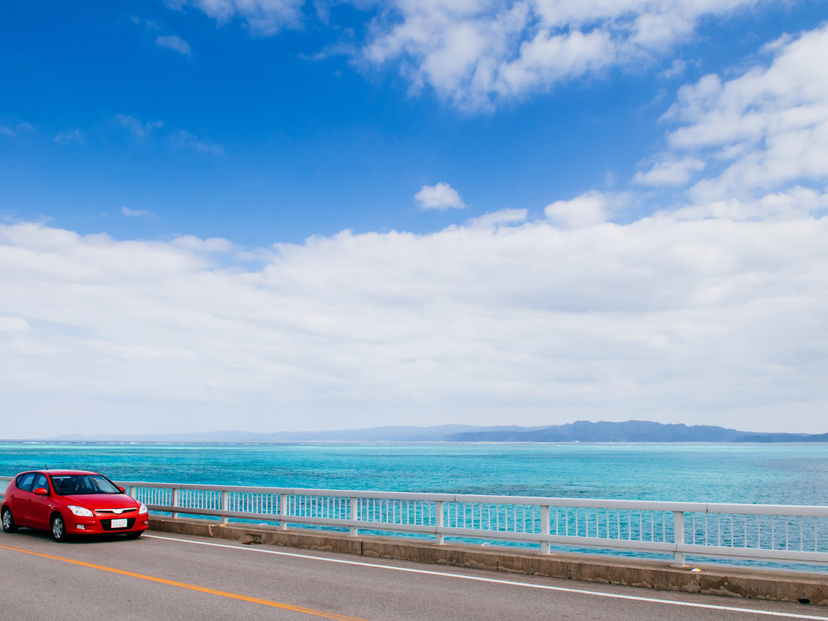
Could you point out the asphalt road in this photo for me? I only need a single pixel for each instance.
(162, 576)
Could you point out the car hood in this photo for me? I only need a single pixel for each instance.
(103, 501)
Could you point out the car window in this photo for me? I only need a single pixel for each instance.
(24, 481)
(75, 484)
(40, 481)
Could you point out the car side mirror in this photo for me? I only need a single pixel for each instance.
(123, 489)
(41, 491)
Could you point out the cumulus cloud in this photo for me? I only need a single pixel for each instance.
(583, 211)
(173, 42)
(477, 54)
(194, 244)
(263, 17)
(670, 172)
(440, 196)
(498, 218)
(762, 130)
(685, 316)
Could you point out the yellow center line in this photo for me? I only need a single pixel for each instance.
(192, 587)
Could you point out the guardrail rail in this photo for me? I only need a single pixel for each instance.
(772, 533)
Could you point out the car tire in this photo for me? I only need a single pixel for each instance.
(58, 528)
(8, 521)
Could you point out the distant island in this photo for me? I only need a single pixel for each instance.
(632, 431)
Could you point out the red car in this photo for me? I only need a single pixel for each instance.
(71, 502)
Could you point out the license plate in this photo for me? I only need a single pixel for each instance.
(122, 523)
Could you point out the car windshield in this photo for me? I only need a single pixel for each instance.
(73, 484)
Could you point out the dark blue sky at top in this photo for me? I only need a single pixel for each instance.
(298, 147)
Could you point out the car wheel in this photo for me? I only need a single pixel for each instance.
(58, 528)
(8, 521)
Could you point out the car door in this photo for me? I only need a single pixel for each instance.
(40, 506)
(20, 498)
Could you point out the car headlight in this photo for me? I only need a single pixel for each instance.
(80, 511)
(142, 509)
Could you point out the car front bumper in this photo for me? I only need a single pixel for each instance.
(76, 525)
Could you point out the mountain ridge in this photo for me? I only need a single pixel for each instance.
(632, 431)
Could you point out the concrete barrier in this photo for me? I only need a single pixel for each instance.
(712, 580)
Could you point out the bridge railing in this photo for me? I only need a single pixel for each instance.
(771, 533)
(774, 533)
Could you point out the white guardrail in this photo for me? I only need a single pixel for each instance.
(773, 533)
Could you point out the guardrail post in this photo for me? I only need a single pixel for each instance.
(439, 521)
(283, 511)
(225, 504)
(678, 536)
(544, 529)
(354, 516)
(175, 493)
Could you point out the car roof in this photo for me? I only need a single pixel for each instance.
(60, 472)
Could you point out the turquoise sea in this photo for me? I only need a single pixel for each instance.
(749, 473)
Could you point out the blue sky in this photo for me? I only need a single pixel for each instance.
(278, 214)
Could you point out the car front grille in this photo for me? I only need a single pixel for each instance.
(107, 524)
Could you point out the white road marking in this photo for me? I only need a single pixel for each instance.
(529, 585)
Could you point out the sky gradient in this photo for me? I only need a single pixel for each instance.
(281, 215)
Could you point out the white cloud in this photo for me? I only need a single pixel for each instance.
(698, 316)
(440, 196)
(789, 204)
(173, 42)
(13, 324)
(194, 244)
(264, 17)
(676, 69)
(138, 128)
(72, 136)
(14, 132)
(763, 130)
(180, 138)
(475, 54)
(498, 218)
(670, 172)
(188, 140)
(583, 211)
(136, 213)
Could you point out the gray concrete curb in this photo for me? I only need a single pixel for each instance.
(751, 584)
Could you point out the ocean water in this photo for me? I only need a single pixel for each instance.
(743, 473)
